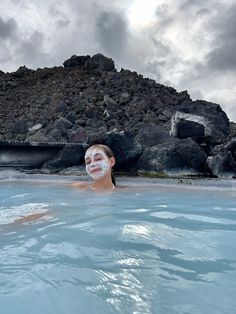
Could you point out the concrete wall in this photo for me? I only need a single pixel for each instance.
(26, 155)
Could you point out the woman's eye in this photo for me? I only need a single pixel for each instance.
(98, 159)
(88, 162)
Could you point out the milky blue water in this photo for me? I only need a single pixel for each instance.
(142, 250)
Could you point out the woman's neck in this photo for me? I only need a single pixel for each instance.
(103, 184)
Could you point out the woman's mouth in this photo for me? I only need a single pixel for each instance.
(95, 170)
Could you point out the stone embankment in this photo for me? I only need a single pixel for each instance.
(152, 128)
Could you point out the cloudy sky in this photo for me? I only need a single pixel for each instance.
(187, 44)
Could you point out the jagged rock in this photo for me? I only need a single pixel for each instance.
(191, 129)
(100, 62)
(124, 98)
(167, 113)
(43, 121)
(54, 135)
(63, 108)
(184, 96)
(63, 124)
(19, 127)
(38, 136)
(232, 127)
(35, 128)
(222, 160)
(72, 155)
(150, 135)
(22, 72)
(222, 164)
(231, 146)
(71, 116)
(78, 136)
(109, 101)
(76, 61)
(10, 84)
(209, 115)
(125, 148)
(173, 158)
(99, 136)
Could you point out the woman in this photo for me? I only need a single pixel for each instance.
(99, 161)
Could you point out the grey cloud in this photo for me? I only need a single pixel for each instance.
(111, 32)
(154, 63)
(31, 51)
(203, 4)
(5, 58)
(7, 28)
(63, 23)
(203, 12)
(15, 1)
(141, 52)
(223, 56)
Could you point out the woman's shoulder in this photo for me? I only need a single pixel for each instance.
(80, 185)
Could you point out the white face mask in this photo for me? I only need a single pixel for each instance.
(97, 163)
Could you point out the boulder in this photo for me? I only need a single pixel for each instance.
(76, 61)
(19, 127)
(232, 126)
(99, 62)
(11, 84)
(43, 121)
(125, 148)
(35, 128)
(72, 155)
(63, 124)
(22, 72)
(173, 158)
(109, 102)
(61, 108)
(78, 136)
(150, 135)
(191, 129)
(222, 160)
(38, 136)
(98, 136)
(71, 116)
(231, 146)
(210, 115)
(124, 98)
(222, 164)
(54, 135)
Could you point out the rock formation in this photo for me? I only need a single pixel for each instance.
(152, 128)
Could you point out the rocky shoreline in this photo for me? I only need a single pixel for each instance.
(152, 129)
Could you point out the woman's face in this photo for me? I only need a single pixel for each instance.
(97, 163)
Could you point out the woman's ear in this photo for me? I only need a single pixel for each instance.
(112, 162)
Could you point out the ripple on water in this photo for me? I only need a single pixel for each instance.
(12, 213)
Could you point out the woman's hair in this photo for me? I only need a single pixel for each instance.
(109, 153)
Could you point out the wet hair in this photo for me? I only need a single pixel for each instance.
(109, 153)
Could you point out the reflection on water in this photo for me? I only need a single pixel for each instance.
(147, 251)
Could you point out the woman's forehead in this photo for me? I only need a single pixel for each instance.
(92, 152)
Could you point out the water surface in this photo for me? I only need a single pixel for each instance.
(162, 250)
